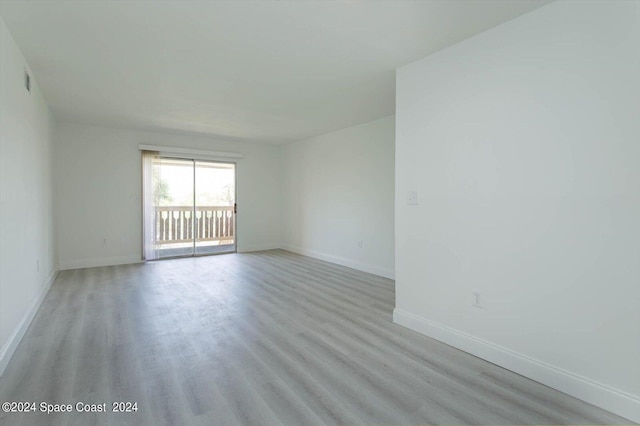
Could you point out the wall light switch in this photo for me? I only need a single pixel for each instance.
(412, 198)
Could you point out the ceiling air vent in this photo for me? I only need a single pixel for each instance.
(27, 81)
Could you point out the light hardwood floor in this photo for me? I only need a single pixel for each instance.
(259, 338)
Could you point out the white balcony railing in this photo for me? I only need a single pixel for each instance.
(211, 223)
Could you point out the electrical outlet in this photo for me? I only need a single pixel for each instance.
(360, 243)
(476, 299)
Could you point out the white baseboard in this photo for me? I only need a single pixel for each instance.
(598, 394)
(98, 261)
(350, 263)
(247, 248)
(11, 345)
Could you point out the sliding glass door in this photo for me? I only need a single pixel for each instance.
(215, 207)
(189, 207)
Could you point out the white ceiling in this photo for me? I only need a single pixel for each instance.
(272, 71)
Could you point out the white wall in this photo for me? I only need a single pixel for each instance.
(98, 192)
(27, 249)
(338, 191)
(524, 146)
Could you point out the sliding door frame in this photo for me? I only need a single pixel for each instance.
(235, 203)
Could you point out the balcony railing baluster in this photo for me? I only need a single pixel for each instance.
(177, 224)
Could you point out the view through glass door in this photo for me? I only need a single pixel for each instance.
(215, 207)
(194, 207)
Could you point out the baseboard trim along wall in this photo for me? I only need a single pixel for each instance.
(258, 247)
(598, 394)
(98, 261)
(350, 263)
(10, 347)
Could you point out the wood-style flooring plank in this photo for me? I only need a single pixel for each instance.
(265, 338)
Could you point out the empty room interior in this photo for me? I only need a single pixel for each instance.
(319, 212)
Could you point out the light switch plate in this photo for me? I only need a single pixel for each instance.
(412, 198)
